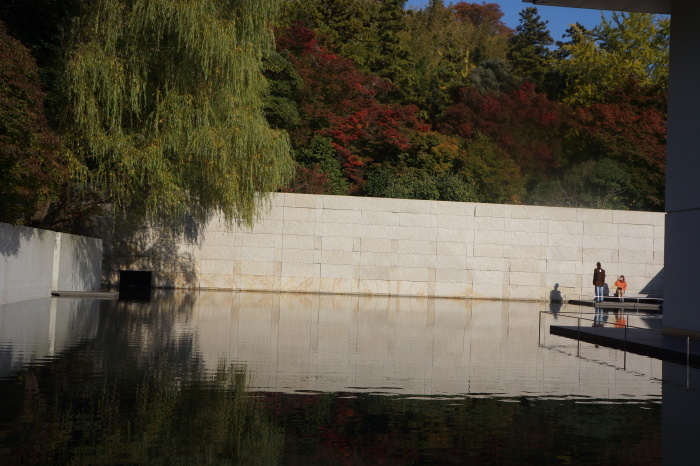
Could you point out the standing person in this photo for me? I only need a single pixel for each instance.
(621, 285)
(598, 282)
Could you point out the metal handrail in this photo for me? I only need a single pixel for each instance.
(627, 326)
(593, 297)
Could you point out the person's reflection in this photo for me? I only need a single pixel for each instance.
(599, 319)
(620, 320)
(555, 299)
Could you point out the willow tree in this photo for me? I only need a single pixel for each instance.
(166, 106)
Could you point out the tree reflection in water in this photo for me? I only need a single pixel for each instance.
(338, 380)
(59, 414)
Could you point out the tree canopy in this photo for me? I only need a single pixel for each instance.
(166, 105)
(166, 108)
(632, 46)
(33, 161)
(510, 102)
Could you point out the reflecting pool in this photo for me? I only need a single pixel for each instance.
(219, 377)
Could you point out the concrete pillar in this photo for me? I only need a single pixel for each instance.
(682, 248)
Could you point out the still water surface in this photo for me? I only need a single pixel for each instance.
(258, 378)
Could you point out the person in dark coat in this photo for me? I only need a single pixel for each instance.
(599, 282)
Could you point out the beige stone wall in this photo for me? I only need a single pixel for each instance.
(354, 245)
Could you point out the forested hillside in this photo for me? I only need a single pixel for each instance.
(165, 108)
(448, 103)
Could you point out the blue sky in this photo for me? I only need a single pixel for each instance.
(559, 18)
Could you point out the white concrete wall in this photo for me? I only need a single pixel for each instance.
(35, 262)
(354, 245)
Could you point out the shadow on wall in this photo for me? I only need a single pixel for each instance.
(166, 250)
(86, 262)
(556, 299)
(11, 238)
(655, 288)
(555, 294)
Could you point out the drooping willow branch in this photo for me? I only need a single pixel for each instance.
(166, 102)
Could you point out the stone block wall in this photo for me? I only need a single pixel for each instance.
(35, 262)
(374, 246)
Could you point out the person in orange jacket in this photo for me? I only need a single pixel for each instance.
(621, 285)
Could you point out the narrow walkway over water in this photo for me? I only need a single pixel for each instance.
(635, 340)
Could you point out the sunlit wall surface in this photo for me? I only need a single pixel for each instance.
(402, 247)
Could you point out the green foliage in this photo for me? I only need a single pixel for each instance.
(281, 110)
(418, 184)
(501, 135)
(428, 169)
(345, 26)
(601, 184)
(34, 165)
(529, 47)
(632, 46)
(322, 157)
(454, 187)
(489, 36)
(167, 108)
(434, 152)
(496, 176)
(495, 76)
(444, 49)
(390, 59)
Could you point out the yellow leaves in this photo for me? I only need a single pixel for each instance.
(633, 46)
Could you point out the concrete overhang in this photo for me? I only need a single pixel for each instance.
(640, 6)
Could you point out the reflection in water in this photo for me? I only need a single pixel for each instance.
(601, 318)
(43, 328)
(149, 417)
(327, 379)
(414, 346)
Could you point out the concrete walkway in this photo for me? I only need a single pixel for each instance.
(85, 294)
(636, 340)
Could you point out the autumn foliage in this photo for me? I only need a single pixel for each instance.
(33, 163)
(504, 132)
(526, 124)
(379, 99)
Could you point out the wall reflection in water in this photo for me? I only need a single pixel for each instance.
(134, 382)
(334, 343)
(420, 346)
(40, 328)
